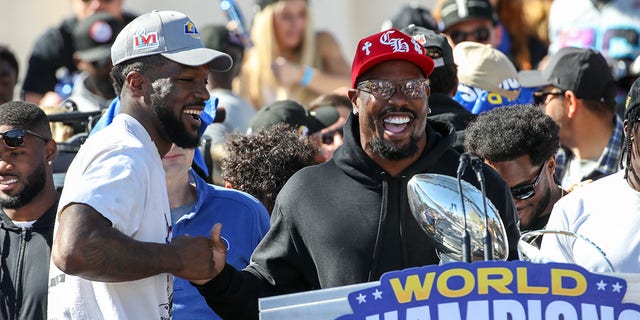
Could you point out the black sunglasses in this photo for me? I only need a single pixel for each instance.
(15, 137)
(539, 97)
(527, 191)
(327, 137)
(479, 35)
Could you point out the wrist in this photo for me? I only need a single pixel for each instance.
(306, 76)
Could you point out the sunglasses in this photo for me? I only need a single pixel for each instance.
(385, 89)
(540, 97)
(479, 35)
(15, 137)
(527, 191)
(327, 137)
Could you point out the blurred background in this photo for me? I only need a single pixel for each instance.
(22, 21)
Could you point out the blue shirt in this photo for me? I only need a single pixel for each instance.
(244, 220)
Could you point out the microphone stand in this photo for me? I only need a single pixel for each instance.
(476, 165)
(466, 238)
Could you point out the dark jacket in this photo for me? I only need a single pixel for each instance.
(24, 268)
(444, 108)
(53, 50)
(343, 222)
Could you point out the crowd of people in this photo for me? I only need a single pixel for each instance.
(219, 173)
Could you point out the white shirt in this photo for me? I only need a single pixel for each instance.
(607, 212)
(118, 172)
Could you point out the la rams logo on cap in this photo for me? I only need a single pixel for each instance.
(190, 29)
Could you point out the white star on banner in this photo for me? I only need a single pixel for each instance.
(377, 294)
(361, 298)
(616, 287)
(601, 285)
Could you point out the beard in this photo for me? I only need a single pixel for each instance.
(33, 185)
(540, 207)
(394, 152)
(172, 126)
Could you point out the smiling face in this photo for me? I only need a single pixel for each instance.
(392, 129)
(23, 171)
(178, 98)
(289, 23)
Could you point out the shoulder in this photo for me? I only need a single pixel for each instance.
(231, 199)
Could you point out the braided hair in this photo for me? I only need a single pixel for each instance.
(632, 116)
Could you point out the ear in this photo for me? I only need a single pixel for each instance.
(571, 98)
(135, 82)
(353, 96)
(51, 150)
(551, 165)
(228, 185)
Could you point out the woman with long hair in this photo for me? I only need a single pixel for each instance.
(289, 59)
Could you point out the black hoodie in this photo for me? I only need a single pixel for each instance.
(344, 222)
(24, 267)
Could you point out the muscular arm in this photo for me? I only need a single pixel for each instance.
(87, 246)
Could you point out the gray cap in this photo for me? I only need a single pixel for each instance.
(170, 34)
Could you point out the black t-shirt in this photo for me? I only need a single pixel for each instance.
(51, 51)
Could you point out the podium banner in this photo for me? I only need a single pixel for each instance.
(487, 290)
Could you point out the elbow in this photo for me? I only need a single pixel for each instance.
(68, 261)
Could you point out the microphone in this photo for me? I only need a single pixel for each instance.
(476, 165)
(463, 162)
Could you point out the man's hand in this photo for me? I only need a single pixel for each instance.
(217, 254)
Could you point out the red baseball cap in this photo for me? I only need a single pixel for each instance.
(387, 45)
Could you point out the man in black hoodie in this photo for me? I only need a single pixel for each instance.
(28, 203)
(348, 220)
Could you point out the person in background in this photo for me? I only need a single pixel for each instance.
(195, 207)
(520, 142)
(261, 163)
(308, 124)
(607, 211)
(469, 20)
(93, 87)
(412, 13)
(289, 59)
(578, 92)
(28, 202)
(443, 82)
(9, 71)
(238, 112)
(113, 255)
(347, 220)
(331, 136)
(487, 78)
(51, 59)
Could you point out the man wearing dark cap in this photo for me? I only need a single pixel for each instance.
(294, 114)
(443, 82)
(113, 256)
(470, 20)
(607, 211)
(578, 92)
(93, 37)
(358, 225)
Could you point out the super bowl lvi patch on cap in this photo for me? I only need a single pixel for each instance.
(170, 34)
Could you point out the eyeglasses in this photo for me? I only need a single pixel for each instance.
(327, 137)
(540, 97)
(385, 89)
(480, 34)
(527, 191)
(15, 137)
